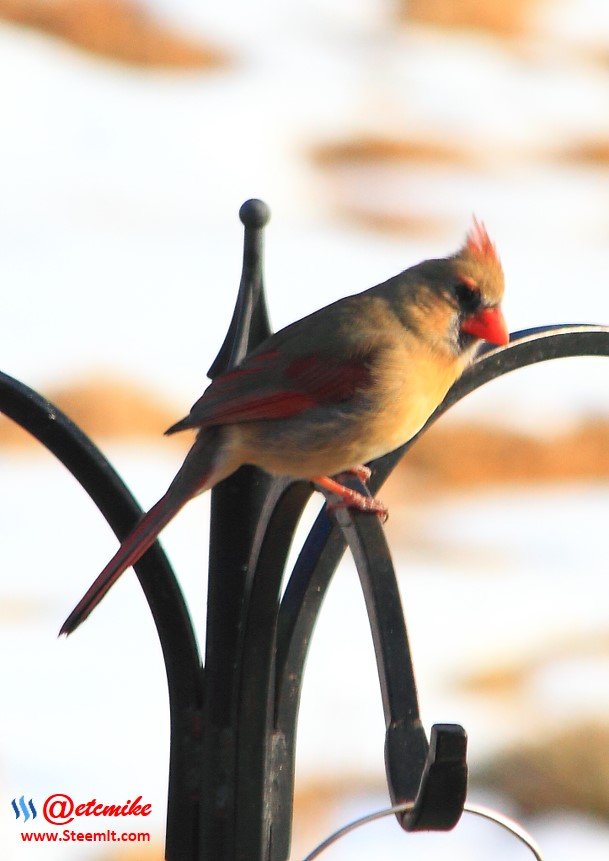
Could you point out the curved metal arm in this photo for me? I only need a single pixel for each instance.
(432, 776)
(83, 459)
(322, 552)
(527, 347)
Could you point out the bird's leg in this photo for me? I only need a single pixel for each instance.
(350, 498)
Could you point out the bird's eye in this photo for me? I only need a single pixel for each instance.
(468, 294)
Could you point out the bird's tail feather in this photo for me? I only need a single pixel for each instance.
(132, 548)
(200, 470)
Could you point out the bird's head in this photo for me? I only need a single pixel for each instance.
(479, 288)
(458, 298)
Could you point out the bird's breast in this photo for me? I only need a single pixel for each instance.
(409, 385)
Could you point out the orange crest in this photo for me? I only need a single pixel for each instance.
(478, 243)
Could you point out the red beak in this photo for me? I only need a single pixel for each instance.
(488, 324)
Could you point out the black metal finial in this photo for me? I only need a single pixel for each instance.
(250, 321)
(254, 214)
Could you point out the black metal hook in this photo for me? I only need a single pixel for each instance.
(433, 775)
(440, 799)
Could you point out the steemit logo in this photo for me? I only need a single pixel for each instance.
(20, 807)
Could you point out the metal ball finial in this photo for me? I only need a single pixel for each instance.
(254, 213)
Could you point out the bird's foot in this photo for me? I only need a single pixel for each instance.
(349, 498)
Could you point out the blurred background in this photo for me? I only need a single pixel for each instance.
(131, 132)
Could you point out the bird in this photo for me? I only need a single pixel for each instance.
(334, 390)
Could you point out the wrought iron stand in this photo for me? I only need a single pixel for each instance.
(233, 718)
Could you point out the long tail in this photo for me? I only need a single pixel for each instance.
(197, 473)
(132, 548)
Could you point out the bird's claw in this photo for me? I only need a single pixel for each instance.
(366, 504)
(362, 472)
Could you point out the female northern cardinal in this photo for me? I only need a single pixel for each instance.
(338, 388)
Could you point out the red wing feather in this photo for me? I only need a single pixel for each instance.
(268, 405)
(264, 387)
(328, 381)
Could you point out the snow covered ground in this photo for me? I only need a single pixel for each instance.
(120, 249)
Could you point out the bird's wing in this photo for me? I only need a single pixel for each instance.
(269, 385)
